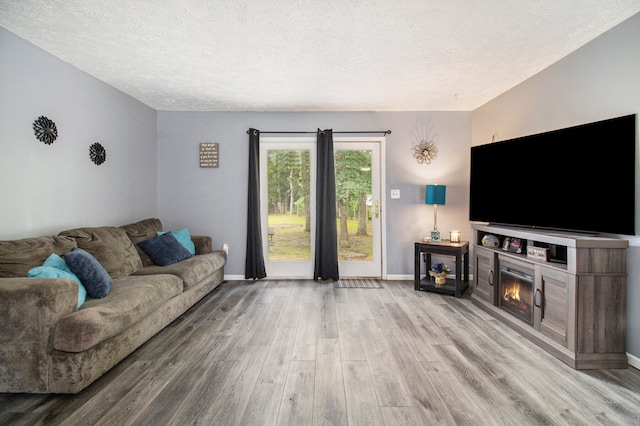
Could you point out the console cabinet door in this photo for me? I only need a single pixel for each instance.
(554, 304)
(484, 274)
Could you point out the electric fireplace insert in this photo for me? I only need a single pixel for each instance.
(516, 292)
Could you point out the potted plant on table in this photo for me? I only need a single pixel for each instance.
(439, 271)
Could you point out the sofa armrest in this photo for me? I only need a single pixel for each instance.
(203, 244)
(29, 311)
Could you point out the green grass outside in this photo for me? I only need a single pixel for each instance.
(291, 242)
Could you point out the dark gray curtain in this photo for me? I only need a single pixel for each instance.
(326, 262)
(254, 263)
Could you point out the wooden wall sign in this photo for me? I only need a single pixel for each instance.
(209, 155)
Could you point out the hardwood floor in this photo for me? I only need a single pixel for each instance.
(306, 353)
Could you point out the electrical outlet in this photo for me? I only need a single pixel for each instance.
(395, 193)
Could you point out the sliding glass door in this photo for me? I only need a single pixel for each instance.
(359, 209)
(287, 185)
(288, 206)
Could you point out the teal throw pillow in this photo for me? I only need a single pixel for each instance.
(56, 267)
(93, 276)
(184, 237)
(55, 261)
(164, 249)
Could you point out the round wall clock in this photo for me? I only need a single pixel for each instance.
(45, 130)
(97, 153)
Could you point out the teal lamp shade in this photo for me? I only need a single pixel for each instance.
(436, 194)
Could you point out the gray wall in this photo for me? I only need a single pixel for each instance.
(213, 201)
(47, 188)
(599, 81)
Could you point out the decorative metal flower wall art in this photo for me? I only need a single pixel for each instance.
(45, 130)
(425, 152)
(97, 153)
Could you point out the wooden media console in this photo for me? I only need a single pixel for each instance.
(573, 300)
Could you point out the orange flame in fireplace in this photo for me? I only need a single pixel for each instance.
(512, 292)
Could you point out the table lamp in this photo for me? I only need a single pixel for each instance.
(435, 195)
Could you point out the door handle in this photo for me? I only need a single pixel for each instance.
(377, 209)
(536, 303)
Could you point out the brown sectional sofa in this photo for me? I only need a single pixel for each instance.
(49, 345)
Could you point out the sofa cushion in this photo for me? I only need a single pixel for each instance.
(56, 267)
(18, 256)
(164, 249)
(191, 270)
(140, 231)
(203, 244)
(131, 299)
(91, 273)
(111, 246)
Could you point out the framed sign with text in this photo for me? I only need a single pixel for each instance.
(209, 155)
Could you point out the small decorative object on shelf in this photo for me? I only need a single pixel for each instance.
(490, 241)
(45, 130)
(97, 153)
(439, 271)
(538, 253)
(513, 245)
(454, 236)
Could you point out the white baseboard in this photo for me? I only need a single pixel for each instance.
(234, 277)
(389, 277)
(399, 277)
(242, 278)
(634, 361)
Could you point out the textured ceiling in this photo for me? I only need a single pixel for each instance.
(314, 55)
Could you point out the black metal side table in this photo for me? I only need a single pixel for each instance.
(454, 287)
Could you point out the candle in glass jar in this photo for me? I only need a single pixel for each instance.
(454, 236)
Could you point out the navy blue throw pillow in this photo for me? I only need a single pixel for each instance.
(93, 276)
(164, 249)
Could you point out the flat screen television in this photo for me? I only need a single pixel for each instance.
(580, 179)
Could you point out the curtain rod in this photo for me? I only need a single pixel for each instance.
(386, 132)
